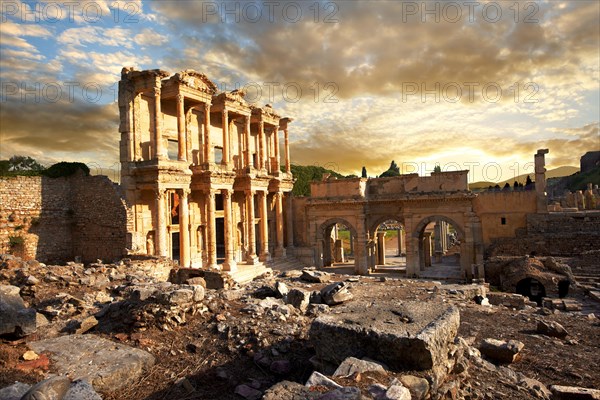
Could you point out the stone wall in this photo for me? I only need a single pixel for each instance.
(554, 234)
(56, 220)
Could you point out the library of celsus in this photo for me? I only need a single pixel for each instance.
(202, 171)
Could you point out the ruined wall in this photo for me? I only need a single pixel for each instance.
(55, 220)
(502, 214)
(554, 234)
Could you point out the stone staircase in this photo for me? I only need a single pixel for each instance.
(247, 272)
(285, 263)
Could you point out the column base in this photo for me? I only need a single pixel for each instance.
(214, 267)
(280, 252)
(265, 257)
(230, 266)
(252, 259)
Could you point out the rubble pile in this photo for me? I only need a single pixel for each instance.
(300, 334)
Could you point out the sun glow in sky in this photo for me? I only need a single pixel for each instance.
(468, 85)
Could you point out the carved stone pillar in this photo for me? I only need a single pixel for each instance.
(264, 226)
(209, 156)
(251, 235)
(247, 155)
(184, 229)
(276, 144)
(161, 223)
(225, 122)
(287, 150)
(279, 250)
(261, 145)
(540, 181)
(211, 245)
(290, 221)
(400, 241)
(181, 137)
(160, 152)
(381, 248)
(438, 246)
(229, 264)
(427, 248)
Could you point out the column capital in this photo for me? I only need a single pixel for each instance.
(250, 192)
(160, 193)
(179, 97)
(156, 91)
(186, 192)
(226, 192)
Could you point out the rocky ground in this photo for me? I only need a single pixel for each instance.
(185, 341)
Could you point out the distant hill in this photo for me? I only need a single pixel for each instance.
(551, 173)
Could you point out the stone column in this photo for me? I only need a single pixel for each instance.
(261, 145)
(438, 249)
(540, 181)
(225, 122)
(264, 226)
(276, 144)
(381, 248)
(427, 248)
(159, 151)
(184, 229)
(400, 241)
(247, 134)
(287, 150)
(229, 264)
(181, 137)
(251, 236)
(290, 221)
(211, 245)
(161, 223)
(209, 155)
(279, 250)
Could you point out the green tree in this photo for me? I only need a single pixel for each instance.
(437, 168)
(24, 163)
(364, 172)
(393, 170)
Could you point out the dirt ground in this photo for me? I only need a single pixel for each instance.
(213, 352)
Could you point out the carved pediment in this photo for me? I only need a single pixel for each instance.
(196, 80)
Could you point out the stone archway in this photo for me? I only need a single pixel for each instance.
(422, 256)
(324, 244)
(377, 256)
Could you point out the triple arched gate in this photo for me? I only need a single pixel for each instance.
(363, 221)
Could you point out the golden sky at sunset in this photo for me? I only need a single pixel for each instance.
(470, 85)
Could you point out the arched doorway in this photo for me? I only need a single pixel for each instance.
(440, 248)
(337, 242)
(388, 241)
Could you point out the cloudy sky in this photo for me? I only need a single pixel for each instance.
(469, 85)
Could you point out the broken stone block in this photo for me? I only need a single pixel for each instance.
(352, 365)
(105, 364)
(14, 391)
(247, 392)
(501, 351)
(397, 392)
(315, 276)
(281, 290)
(336, 293)
(87, 324)
(15, 318)
(280, 367)
(574, 393)
(51, 389)
(318, 379)
(177, 297)
(286, 390)
(552, 328)
(407, 335)
(418, 387)
(198, 280)
(299, 299)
